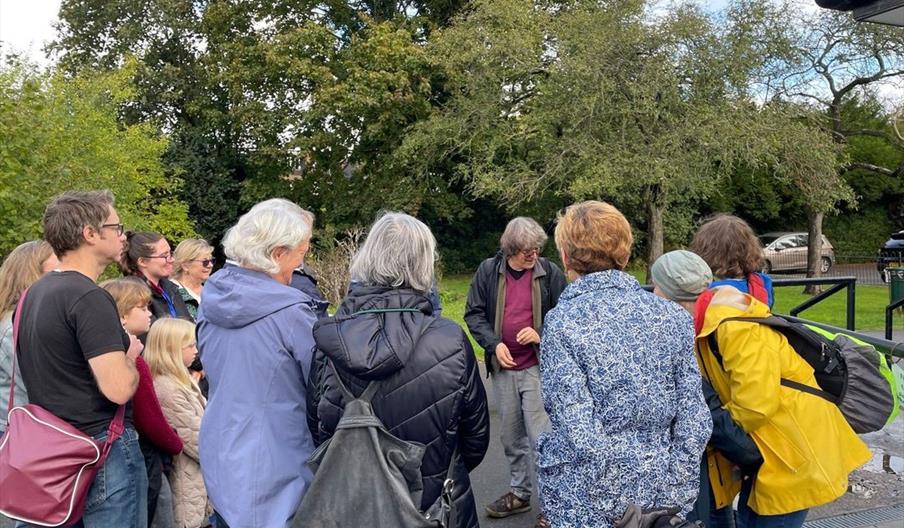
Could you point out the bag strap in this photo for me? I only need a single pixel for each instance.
(17, 316)
(772, 322)
(116, 428)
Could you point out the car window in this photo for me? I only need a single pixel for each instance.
(784, 243)
(767, 239)
(802, 240)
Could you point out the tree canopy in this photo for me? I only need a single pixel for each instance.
(60, 134)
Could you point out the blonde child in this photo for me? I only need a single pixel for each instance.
(156, 436)
(170, 349)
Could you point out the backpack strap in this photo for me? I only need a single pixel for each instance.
(777, 323)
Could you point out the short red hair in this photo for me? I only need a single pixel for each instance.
(594, 236)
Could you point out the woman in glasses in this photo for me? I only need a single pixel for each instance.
(147, 255)
(192, 264)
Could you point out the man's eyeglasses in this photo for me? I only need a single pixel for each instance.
(165, 256)
(205, 262)
(119, 228)
(527, 253)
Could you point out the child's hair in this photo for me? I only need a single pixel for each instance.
(128, 292)
(163, 350)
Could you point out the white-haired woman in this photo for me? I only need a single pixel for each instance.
(430, 390)
(254, 336)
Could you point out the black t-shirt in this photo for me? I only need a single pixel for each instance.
(66, 320)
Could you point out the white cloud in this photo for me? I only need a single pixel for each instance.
(26, 26)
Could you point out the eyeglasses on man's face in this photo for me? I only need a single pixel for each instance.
(204, 262)
(119, 228)
(527, 253)
(165, 256)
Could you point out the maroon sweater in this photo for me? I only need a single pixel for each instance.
(518, 314)
(149, 420)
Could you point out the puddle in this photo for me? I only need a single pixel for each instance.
(887, 464)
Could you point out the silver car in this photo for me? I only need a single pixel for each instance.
(788, 252)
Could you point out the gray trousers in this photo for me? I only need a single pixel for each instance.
(522, 419)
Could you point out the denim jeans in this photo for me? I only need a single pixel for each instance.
(219, 522)
(118, 495)
(523, 419)
(747, 518)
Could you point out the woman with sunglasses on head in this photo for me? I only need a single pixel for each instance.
(192, 264)
(147, 255)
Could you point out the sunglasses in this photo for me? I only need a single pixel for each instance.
(205, 262)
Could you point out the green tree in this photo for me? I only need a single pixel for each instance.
(825, 62)
(300, 99)
(58, 134)
(582, 102)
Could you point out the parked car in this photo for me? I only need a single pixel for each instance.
(891, 254)
(788, 252)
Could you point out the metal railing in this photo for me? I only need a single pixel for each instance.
(890, 316)
(886, 346)
(837, 283)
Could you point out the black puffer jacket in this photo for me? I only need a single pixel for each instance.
(432, 393)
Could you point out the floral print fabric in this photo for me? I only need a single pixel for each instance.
(622, 390)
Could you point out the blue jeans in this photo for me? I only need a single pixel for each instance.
(219, 522)
(747, 518)
(119, 494)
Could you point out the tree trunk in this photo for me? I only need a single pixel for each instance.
(814, 248)
(655, 234)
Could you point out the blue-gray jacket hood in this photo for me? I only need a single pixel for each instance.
(235, 297)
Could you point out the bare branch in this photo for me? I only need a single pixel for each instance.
(870, 167)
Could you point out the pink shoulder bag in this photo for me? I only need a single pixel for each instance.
(47, 466)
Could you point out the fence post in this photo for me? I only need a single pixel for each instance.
(890, 315)
(851, 303)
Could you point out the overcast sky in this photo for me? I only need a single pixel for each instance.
(27, 25)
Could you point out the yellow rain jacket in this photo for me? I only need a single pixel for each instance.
(808, 447)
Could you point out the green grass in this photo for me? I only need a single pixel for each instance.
(870, 304)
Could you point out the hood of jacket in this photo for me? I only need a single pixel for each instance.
(375, 331)
(235, 297)
(729, 302)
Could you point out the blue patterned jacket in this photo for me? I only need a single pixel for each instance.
(622, 389)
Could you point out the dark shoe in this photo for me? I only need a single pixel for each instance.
(508, 504)
(542, 522)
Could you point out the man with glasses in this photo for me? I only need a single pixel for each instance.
(76, 359)
(508, 299)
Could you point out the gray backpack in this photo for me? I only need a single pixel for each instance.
(364, 476)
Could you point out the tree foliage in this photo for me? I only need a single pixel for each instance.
(301, 99)
(584, 102)
(59, 134)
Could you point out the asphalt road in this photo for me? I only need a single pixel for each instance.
(491, 479)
